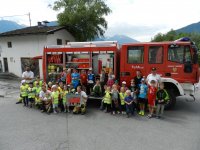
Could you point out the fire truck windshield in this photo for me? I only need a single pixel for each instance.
(179, 54)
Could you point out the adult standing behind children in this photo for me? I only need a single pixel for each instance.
(28, 75)
(138, 78)
(153, 76)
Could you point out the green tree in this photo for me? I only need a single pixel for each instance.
(83, 18)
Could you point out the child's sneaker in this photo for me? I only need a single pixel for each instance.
(123, 112)
(113, 113)
(65, 111)
(142, 113)
(149, 116)
(118, 112)
(54, 112)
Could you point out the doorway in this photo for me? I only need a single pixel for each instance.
(5, 61)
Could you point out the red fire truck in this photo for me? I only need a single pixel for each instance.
(176, 62)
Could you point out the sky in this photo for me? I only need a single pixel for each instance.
(138, 19)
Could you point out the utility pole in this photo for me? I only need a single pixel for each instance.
(29, 16)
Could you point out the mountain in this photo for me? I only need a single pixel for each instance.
(121, 39)
(52, 23)
(6, 25)
(195, 27)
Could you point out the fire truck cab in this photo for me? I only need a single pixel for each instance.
(176, 63)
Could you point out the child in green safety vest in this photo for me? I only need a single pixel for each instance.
(107, 99)
(31, 94)
(122, 96)
(65, 100)
(39, 81)
(37, 99)
(55, 98)
(23, 92)
(162, 99)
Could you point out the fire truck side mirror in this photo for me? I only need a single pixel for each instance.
(195, 58)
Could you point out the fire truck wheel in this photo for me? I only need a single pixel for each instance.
(172, 100)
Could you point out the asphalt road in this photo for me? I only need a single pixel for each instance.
(23, 128)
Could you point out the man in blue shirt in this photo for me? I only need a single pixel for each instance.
(75, 78)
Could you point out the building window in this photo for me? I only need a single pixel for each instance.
(135, 54)
(155, 54)
(9, 44)
(59, 41)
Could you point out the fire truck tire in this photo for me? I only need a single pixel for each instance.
(172, 100)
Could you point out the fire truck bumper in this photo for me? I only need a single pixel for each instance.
(190, 89)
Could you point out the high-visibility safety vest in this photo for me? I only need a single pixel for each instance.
(40, 83)
(31, 92)
(61, 92)
(64, 96)
(38, 89)
(122, 97)
(55, 96)
(107, 98)
(23, 90)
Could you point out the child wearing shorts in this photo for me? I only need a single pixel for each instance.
(152, 97)
(65, 101)
(122, 96)
(55, 98)
(143, 89)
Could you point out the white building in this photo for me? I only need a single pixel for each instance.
(17, 47)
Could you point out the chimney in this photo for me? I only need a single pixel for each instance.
(39, 24)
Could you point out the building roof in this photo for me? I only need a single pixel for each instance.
(34, 30)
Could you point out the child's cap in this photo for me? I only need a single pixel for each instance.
(142, 79)
(23, 81)
(124, 82)
(54, 86)
(90, 69)
(49, 83)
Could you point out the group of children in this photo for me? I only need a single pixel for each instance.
(126, 100)
(49, 97)
(115, 99)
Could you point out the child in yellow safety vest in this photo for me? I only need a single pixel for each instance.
(60, 100)
(23, 92)
(39, 81)
(107, 99)
(37, 99)
(65, 100)
(55, 98)
(122, 96)
(31, 94)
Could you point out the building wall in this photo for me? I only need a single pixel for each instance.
(22, 47)
(62, 34)
(28, 47)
